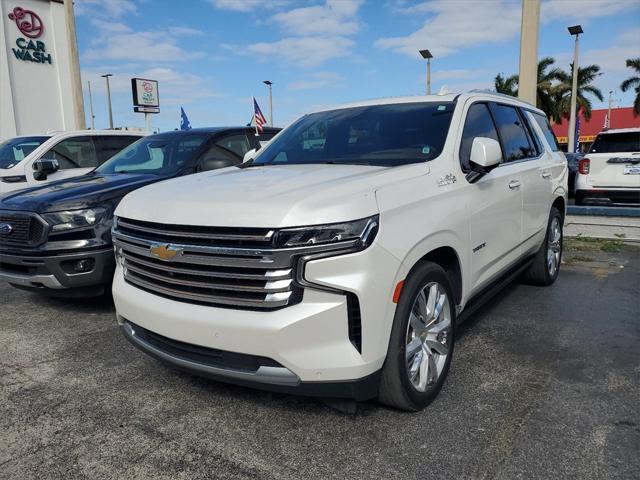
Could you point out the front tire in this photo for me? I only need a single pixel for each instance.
(422, 340)
(546, 264)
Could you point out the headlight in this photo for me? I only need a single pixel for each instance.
(358, 232)
(75, 219)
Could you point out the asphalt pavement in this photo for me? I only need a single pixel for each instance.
(544, 384)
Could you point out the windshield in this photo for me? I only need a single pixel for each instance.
(383, 135)
(15, 150)
(156, 154)
(616, 142)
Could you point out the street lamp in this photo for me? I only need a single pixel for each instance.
(426, 54)
(575, 30)
(269, 84)
(106, 76)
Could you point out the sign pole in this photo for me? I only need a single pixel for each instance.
(147, 121)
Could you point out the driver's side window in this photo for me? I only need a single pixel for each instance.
(477, 124)
(76, 152)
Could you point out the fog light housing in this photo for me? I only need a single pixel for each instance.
(85, 265)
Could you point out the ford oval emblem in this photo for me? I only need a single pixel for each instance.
(5, 228)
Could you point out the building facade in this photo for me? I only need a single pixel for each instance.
(40, 85)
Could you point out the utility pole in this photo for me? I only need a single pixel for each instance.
(109, 99)
(93, 117)
(528, 75)
(270, 84)
(571, 148)
(608, 124)
(426, 54)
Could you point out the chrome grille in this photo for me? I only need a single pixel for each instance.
(228, 267)
(26, 229)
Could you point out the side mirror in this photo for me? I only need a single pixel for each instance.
(249, 155)
(486, 154)
(44, 167)
(213, 163)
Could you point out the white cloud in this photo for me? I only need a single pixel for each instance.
(247, 5)
(185, 31)
(581, 10)
(116, 41)
(335, 17)
(318, 80)
(303, 51)
(105, 8)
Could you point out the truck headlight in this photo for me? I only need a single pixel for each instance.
(75, 219)
(359, 233)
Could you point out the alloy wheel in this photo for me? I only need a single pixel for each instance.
(554, 246)
(428, 336)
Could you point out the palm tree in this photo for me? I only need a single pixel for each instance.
(586, 76)
(507, 86)
(633, 82)
(546, 94)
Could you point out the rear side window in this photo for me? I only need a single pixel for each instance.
(515, 141)
(108, 146)
(616, 142)
(13, 151)
(238, 144)
(477, 124)
(76, 152)
(544, 125)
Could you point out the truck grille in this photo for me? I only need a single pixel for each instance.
(222, 266)
(24, 229)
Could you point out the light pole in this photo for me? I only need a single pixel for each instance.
(109, 99)
(571, 148)
(608, 122)
(528, 74)
(269, 84)
(426, 54)
(93, 117)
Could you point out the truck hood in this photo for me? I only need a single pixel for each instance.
(75, 193)
(270, 196)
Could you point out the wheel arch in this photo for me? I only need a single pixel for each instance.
(447, 257)
(561, 205)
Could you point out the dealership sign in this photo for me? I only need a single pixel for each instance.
(145, 95)
(30, 26)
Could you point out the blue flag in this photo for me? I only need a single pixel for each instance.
(184, 121)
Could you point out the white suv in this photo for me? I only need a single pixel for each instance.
(610, 173)
(29, 161)
(339, 261)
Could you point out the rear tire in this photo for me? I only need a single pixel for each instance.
(546, 264)
(422, 340)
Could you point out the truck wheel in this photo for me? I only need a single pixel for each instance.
(421, 343)
(546, 264)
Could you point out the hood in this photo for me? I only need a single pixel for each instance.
(269, 196)
(75, 193)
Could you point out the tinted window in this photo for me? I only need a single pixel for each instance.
(515, 143)
(616, 142)
(76, 152)
(543, 123)
(237, 144)
(108, 146)
(385, 135)
(217, 157)
(13, 151)
(157, 154)
(477, 124)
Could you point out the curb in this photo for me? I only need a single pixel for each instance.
(604, 211)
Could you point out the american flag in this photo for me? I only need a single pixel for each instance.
(259, 117)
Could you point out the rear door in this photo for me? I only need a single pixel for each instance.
(614, 160)
(495, 220)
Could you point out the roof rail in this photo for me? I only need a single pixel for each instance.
(497, 94)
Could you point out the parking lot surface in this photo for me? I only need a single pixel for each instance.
(544, 384)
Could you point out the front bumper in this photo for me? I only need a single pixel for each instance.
(309, 340)
(55, 272)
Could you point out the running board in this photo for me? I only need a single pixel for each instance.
(492, 290)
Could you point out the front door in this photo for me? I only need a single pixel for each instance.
(76, 156)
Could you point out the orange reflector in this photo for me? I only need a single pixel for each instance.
(398, 291)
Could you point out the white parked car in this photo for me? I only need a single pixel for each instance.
(34, 160)
(339, 260)
(610, 173)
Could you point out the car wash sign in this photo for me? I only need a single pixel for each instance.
(28, 48)
(145, 95)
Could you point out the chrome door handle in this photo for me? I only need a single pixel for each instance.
(513, 184)
(546, 174)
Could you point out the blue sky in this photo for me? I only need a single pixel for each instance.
(210, 56)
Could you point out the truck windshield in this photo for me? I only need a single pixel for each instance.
(156, 154)
(380, 135)
(616, 142)
(15, 150)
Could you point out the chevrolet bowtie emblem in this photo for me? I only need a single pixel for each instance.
(164, 251)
